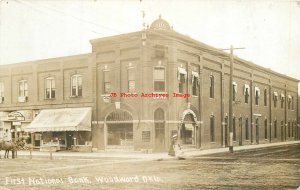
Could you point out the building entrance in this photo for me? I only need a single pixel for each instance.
(188, 130)
(119, 129)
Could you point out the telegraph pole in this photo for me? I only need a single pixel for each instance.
(231, 99)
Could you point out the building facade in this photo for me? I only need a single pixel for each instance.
(143, 88)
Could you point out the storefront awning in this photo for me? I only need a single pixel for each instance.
(65, 119)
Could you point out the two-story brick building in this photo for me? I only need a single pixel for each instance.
(137, 90)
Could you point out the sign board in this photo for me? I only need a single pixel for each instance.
(16, 123)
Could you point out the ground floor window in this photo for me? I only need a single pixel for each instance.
(120, 134)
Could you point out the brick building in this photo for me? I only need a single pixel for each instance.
(137, 90)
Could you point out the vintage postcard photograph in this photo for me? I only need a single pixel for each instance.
(149, 94)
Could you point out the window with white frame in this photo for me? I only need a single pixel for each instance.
(234, 90)
(195, 83)
(131, 79)
(211, 86)
(49, 88)
(106, 82)
(76, 85)
(282, 98)
(275, 99)
(182, 75)
(159, 79)
(289, 101)
(257, 94)
(23, 88)
(246, 92)
(265, 97)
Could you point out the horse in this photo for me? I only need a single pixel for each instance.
(11, 146)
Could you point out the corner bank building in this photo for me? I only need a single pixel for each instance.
(135, 91)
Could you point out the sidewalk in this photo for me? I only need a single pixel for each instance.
(144, 156)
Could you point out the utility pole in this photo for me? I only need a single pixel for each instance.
(231, 99)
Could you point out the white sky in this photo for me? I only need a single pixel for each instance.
(40, 29)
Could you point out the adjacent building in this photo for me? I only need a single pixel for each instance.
(136, 91)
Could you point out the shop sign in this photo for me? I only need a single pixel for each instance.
(16, 123)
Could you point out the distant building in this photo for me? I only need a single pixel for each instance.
(137, 90)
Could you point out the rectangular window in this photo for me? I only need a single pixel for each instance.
(275, 98)
(195, 83)
(76, 85)
(146, 136)
(282, 97)
(212, 128)
(181, 83)
(212, 86)
(275, 129)
(265, 97)
(234, 129)
(246, 93)
(23, 88)
(159, 79)
(257, 94)
(266, 129)
(131, 79)
(234, 90)
(247, 129)
(106, 82)
(289, 101)
(1, 89)
(292, 102)
(50, 88)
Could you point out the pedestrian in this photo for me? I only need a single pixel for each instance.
(177, 148)
(171, 149)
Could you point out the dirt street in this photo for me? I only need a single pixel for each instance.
(268, 168)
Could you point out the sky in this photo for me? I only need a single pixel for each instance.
(269, 30)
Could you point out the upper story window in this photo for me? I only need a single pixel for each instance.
(23, 91)
(76, 85)
(182, 75)
(131, 79)
(212, 86)
(234, 90)
(159, 79)
(289, 101)
(292, 102)
(282, 98)
(275, 99)
(23, 88)
(246, 92)
(1, 89)
(106, 82)
(195, 83)
(265, 97)
(50, 88)
(1, 92)
(257, 94)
